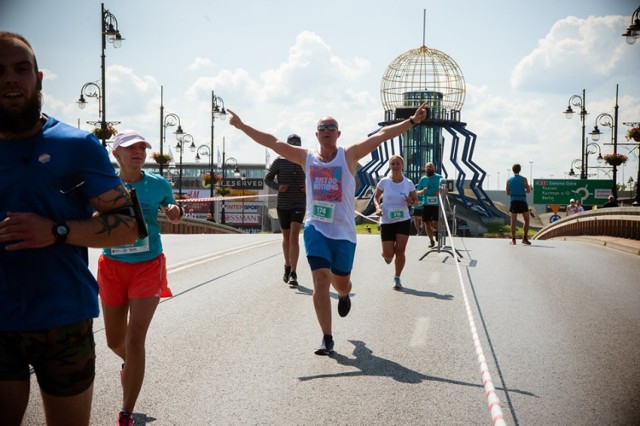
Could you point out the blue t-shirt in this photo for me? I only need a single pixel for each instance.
(432, 185)
(53, 174)
(517, 189)
(153, 191)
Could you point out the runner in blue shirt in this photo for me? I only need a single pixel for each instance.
(429, 189)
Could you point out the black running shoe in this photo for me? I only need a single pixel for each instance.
(326, 346)
(344, 305)
(287, 272)
(293, 279)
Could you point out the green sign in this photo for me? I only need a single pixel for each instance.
(561, 191)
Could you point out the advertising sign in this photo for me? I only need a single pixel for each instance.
(561, 191)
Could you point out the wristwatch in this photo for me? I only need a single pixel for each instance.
(60, 231)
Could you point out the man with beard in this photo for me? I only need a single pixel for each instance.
(428, 189)
(59, 195)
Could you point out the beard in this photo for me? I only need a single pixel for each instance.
(430, 173)
(22, 120)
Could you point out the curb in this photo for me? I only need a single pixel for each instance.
(622, 244)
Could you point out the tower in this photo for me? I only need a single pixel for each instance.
(428, 75)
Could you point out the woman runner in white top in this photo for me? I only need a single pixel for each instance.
(398, 193)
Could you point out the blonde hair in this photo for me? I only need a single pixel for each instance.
(396, 157)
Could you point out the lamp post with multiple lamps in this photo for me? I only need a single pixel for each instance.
(607, 120)
(217, 110)
(231, 162)
(180, 145)
(580, 102)
(92, 90)
(169, 120)
(633, 32)
(590, 149)
(110, 33)
(204, 150)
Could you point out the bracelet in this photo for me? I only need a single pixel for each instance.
(413, 123)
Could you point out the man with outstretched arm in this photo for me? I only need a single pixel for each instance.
(330, 230)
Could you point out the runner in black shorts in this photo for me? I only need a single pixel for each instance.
(288, 179)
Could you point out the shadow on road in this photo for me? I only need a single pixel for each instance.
(371, 365)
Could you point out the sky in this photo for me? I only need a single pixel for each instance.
(283, 64)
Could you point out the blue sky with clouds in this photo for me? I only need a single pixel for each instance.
(284, 64)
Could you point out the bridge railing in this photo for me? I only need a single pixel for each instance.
(621, 222)
(194, 226)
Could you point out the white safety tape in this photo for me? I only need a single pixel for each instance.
(209, 199)
(497, 417)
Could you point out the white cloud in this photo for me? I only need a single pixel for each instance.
(586, 49)
(199, 63)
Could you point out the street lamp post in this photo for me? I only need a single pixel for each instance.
(590, 149)
(170, 119)
(231, 162)
(217, 110)
(607, 120)
(633, 32)
(92, 90)
(578, 101)
(111, 33)
(243, 177)
(180, 145)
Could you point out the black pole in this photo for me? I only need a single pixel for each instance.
(213, 117)
(583, 113)
(161, 128)
(636, 201)
(180, 176)
(222, 210)
(614, 190)
(103, 123)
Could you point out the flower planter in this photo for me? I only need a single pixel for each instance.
(161, 158)
(615, 159)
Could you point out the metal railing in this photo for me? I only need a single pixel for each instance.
(620, 222)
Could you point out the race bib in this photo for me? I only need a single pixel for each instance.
(396, 214)
(323, 211)
(140, 246)
(432, 201)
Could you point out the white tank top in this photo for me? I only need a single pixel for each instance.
(331, 190)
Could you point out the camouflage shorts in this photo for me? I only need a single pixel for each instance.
(63, 358)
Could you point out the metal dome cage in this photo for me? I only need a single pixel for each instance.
(419, 75)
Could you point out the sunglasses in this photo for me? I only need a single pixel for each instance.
(329, 127)
(294, 142)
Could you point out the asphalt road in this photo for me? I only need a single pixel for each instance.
(558, 323)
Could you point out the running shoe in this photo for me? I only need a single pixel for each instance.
(344, 305)
(526, 242)
(287, 272)
(432, 244)
(397, 285)
(293, 279)
(513, 241)
(326, 346)
(125, 419)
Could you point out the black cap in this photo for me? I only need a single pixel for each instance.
(293, 137)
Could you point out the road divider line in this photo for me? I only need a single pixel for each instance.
(181, 266)
(419, 336)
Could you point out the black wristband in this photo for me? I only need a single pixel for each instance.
(413, 123)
